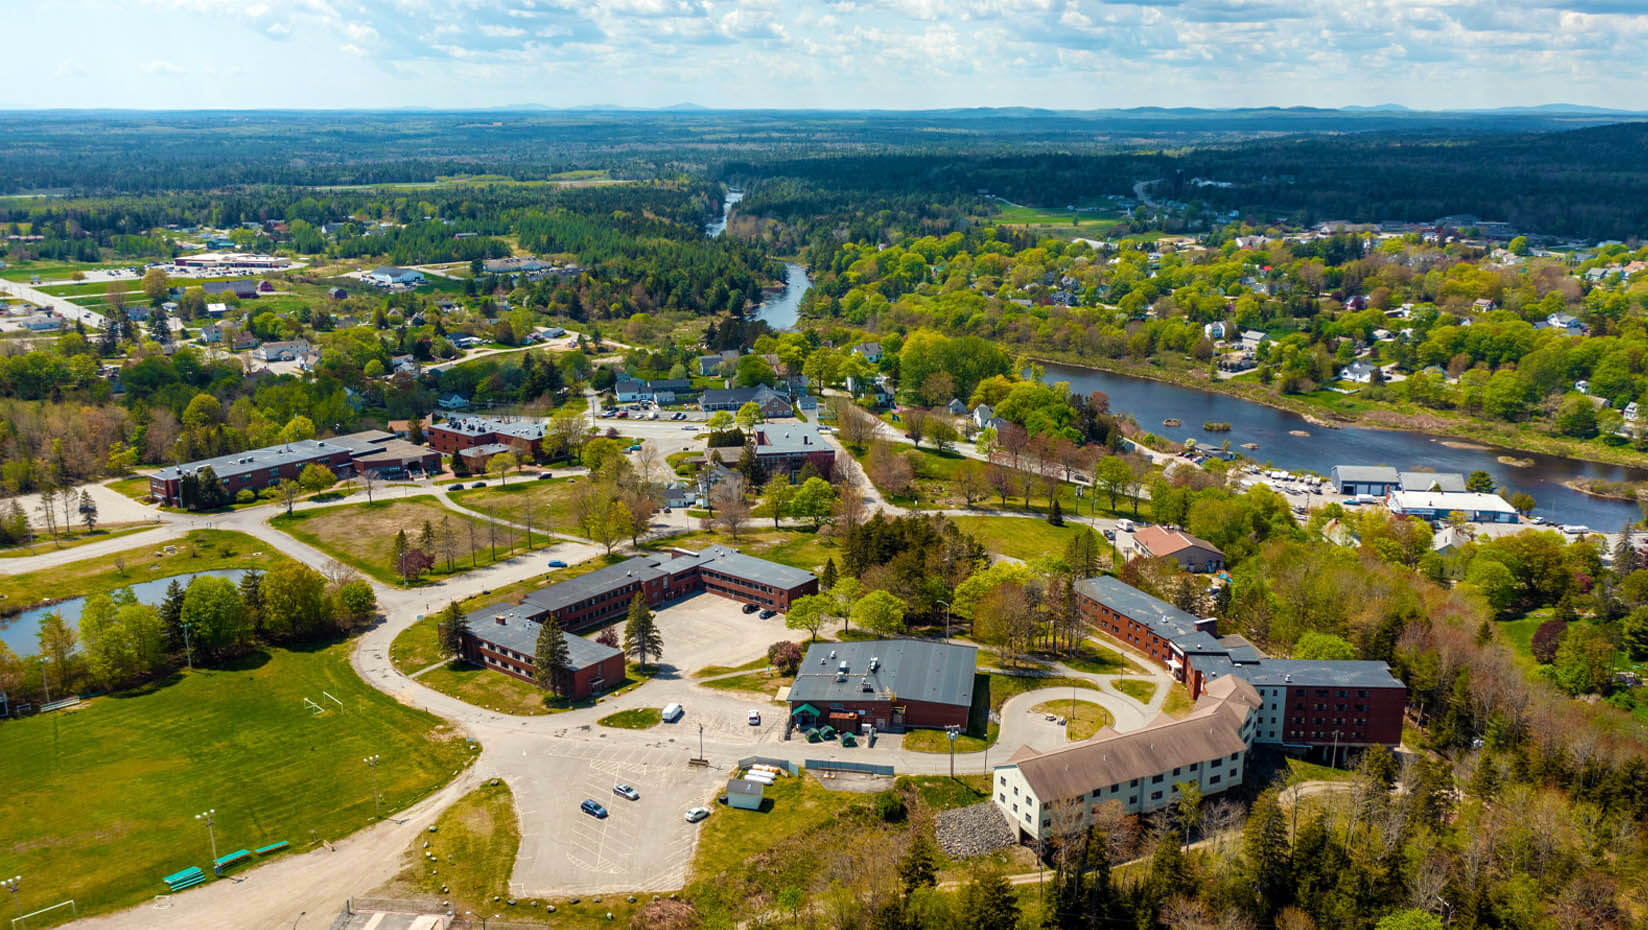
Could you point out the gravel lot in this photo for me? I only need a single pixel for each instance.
(974, 830)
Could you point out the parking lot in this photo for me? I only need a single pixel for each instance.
(707, 629)
(643, 845)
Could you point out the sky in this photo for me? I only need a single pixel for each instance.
(829, 54)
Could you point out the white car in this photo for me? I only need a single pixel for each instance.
(755, 718)
(697, 813)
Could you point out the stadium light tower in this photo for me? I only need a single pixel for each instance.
(377, 800)
(211, 833)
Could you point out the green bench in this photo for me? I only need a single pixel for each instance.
(224, 862)
(272, 847)
(188, 878)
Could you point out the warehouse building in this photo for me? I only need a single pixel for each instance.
(888, 684)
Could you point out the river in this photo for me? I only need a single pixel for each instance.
(783, 309)
(1150, 402)
(20, 631)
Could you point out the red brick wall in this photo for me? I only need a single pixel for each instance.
(1312, 716)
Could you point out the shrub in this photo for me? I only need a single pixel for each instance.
(1546, 640)
(245, 496)
(889, 807)
(784, 656)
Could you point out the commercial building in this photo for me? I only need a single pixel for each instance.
(1192, 553)
(1432, 481)
(455, 434)
(1474, 506)
(1059, 792)
(772, 403)
(388, 456)
(888, 684)
(783, 449)
(1309, 705)
(254, 470)
(390, 276)
(1377, 480)
(505, 638)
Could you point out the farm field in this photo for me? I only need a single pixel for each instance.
(139, 765)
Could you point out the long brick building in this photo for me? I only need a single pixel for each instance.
(1306, 704)
(255, 469)
(888, 684)
(503, 637)
(524, 437)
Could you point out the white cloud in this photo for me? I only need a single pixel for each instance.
(161, 67)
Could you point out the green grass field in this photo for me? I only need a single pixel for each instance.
(101, 799)
(474, 845)
(363, 535)
(1141, 691)
(1082, 718)
(1022, 538)
(636, 718)
(198, 551)
(1178, 701)
(551, 502)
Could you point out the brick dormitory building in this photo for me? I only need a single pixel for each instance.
(523, 437)
(1243, 698)
(1308, 704)
(504, 636)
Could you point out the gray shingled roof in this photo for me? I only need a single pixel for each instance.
(225, 466)
(520, 635)
(908, 669)
(1425, 480)
(1348, 673)
(1167, 621)
(1365, 473)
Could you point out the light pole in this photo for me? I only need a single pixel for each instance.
(1335, 749)
(950, 733)
(206, 815)
(946, 620)
(700, 740)
(188, 646)
(377, 801)
(11, 885)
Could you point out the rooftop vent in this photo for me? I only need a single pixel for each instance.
(864, 685)
(875, 663)
(500, 619)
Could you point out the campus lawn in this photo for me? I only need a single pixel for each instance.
(710, 671)
(791, 805)
(1137, 689)
(200, 550)
(418, 646)
(1096, 660)
(938, 741)
(101, 799)
(76, 537)
(1004, 687)
(136, 487)
(474, 843)
(363, 535)
(1022, 538)
(764, 682)
(798, 548)
(493, 690)
(1082, 718)
(1178, 701)
(551, 501)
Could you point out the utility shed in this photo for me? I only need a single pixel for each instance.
(744, 794)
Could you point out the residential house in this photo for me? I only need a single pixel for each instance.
(211, 333)
(217, 311)
(772, 403)
(336, 293)
(1214, 330)
(452, 401)
(1192, 553)
(241, 341)
(282, 351)
(1482, 305)
(1359, 372)
(869, 351)
(956, 408)
(1566, 322)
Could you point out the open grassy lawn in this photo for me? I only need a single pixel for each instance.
(1298, 770)
(764, 681)
(136, 487)
(1004, 687)
(1094, 659)
(1178, 701)
(418, 646)
(550, 501)
(198, 551)
(1081, 718)
(474, 846)
(799, 548)
(76, 537)
(363, 535)
(1018, 537)
(506, 694)
(710, 671)
(791, 805)
(938, 741)
(100, 800)
(1141, 691)
(636, 718)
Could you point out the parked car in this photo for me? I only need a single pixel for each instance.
(754, 717)
(557, 563)
(479, 484)
(593, 809)
(696, 814)
(690, 428)
(673, 712)
(768, 614)
(623, 414)
(750, 608)
(544, 476)
(667, 510)
(625, 791)
(1110, 535)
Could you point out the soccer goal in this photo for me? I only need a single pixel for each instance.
(21, 923)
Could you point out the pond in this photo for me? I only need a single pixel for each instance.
(21, 631)
(1151, 402)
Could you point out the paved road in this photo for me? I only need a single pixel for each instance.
(66, 308)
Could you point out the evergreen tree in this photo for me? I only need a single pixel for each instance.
(426, 539)
(171, 615)
(641, 635)
(988, 902)
(918, 867)
(1626, 558)
(160, 325)
(452, 628)
(1055, 515)
(1082, 553)
(1068, 905)
(88, 510)
(1485, 781)
(552, 657)
(397, 553)
(827, 580)
(251, 594)
(1265, 856)
(1104, 907)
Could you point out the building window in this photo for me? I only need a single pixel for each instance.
(1155, 779)
(1155, 795)
(1214, 780)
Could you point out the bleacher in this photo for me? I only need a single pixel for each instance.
(188, 878)
(223, 862)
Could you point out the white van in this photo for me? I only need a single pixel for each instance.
(1126, 526)
(673, 712)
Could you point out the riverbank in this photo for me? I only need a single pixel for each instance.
(1609, 490)
(1318, 413)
